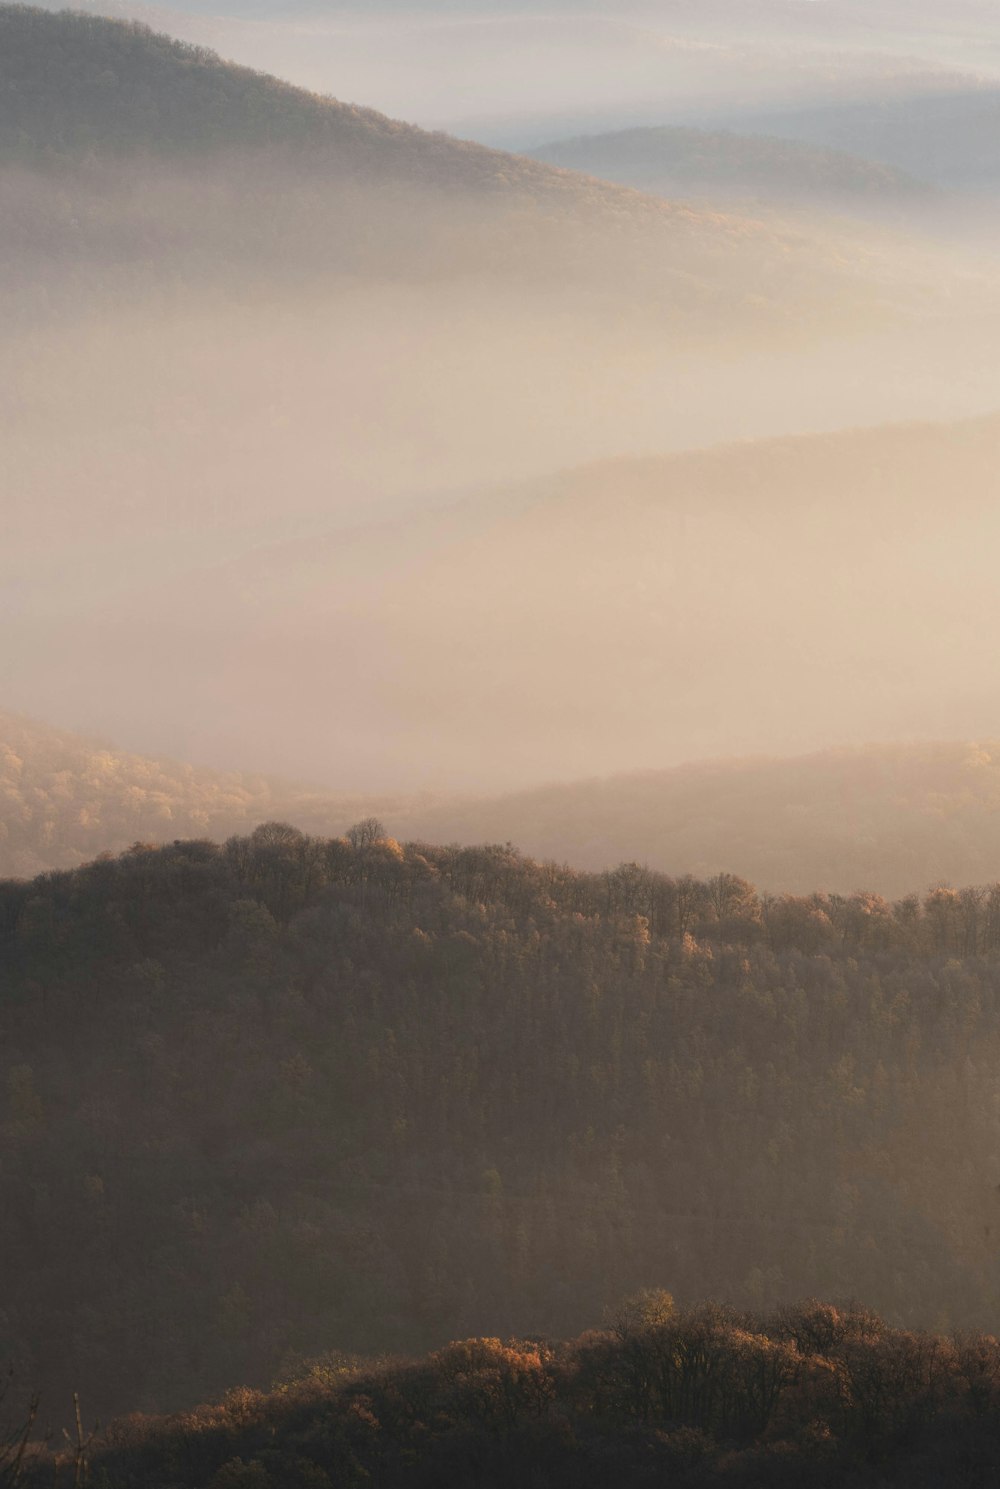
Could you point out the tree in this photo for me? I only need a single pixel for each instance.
(366, 832)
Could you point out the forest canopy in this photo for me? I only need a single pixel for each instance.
(368, 1097)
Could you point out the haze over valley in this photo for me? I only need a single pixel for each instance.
(499, 744)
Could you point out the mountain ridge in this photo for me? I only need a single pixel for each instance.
(892, 818)
(678, 160)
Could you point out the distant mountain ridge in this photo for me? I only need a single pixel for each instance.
(675, 160)
(950, 138)
(892, 818)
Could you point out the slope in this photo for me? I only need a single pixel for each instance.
(522, 71)
(94, 103)
(950, 139)
(891, 818)
(218, 288)
(65, 798)
(888, 818)
(296, 1096)
(678, 161)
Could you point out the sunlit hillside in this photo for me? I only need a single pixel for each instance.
(499, 744)
(65, 799)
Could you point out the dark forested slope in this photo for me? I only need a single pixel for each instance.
(296, 1095)
(73, 85)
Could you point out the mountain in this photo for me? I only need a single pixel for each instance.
(681, 162)
(219, 288)
(888, 818)
(950, 138)
(298, 1095)
(155, 153)
(892, 818)
(511, 71)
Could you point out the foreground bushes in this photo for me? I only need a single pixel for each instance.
(814, 1395)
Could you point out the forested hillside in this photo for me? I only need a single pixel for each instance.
(291, 1095)
(811, 1395)
(125, 152)
(65, 799)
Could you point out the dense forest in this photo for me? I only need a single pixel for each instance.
(293, 1095)
(807, 1397)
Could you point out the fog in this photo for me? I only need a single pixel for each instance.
(321, 458)
(420, 499)
(318, 533)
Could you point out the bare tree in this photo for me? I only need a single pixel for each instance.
(14, 1439)
(366, 832)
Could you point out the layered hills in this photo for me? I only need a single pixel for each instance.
(250, 311)
(949, 138)
(888, 818)
(511, 72)
(81, 90)
(893, 818)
